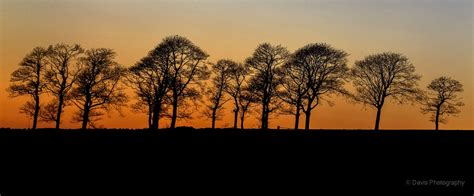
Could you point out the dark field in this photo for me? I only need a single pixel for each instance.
(230, 137)
(223, 161)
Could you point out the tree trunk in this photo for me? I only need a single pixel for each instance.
(156, 115)
(308, 115)
(37, 108)
(60, 109)
(262, 126)
(377, 119)
(236, 113)
(307, 120)
(175, 111)
(150, 117)
(214, 117)
(242, 118)
(158, 112)
(85, 115)
(155, 118)
(36, 96)
(297, 116)
(265, 121)
(437, 119)
(297, 120)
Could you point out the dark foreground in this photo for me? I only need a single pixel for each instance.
(219, 162)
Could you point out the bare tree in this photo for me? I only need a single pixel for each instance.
(238, 75)
(318, 71)
(384, 75)
(245, 100)
(292, 95)
(28, 80)
(442, 100)
(143, 84)
(266, 62)
(187, 71)
(48, 111)
(220, 72)
(60, 76)
(144, 96)
(151, 82)
(293, 90)
(98, 87)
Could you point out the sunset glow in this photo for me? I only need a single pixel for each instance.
(436, 36)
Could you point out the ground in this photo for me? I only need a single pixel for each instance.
(226, 160)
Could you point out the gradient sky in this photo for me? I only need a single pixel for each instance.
(436, 35)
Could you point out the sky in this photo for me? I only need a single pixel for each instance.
(436, 35)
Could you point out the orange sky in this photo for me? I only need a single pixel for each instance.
(435, 35)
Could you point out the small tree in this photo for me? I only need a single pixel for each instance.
(442, 100)
(384, 75)
(245, 100)
(220, 79)
(98, 87)
(238, 75)
(60, 77)
(137, 79)
(28, 80)
(48, 111)
(266, 63)
(144, 91)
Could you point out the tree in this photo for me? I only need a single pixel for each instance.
(238, 75)
(98, 87)
(144, 95)
(442, 100)
(318, 71)
(293, 90)
(220, 72)
(48, 111)
(60, 77)
(384, 75)
(151, 82)
(187, 71)
(266, 62)
(245, 100)
(28, 80)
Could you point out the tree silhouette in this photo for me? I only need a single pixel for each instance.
(187, 71)
(141, 78)
(442, 99)
(220, 72)
(266, 63)
(383, 75)
(150, 79)
(98, 86)
(28, 80)
(48, 111)
(313, 73)
(238, 75)
(60, 77)
(293, 90)
(245, 99)
(144, 93)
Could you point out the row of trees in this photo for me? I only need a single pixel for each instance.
(171, 80)
(89, 80)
